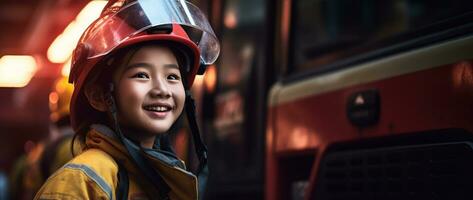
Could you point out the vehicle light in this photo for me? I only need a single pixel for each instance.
(62, 47)
(16, 70)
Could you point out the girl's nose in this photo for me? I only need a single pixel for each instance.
(160, 89)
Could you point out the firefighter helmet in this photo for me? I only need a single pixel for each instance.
(125, 23)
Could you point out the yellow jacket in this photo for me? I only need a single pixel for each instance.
(93, 173)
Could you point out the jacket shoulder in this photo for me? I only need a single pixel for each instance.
(98, 160)
(90, 175)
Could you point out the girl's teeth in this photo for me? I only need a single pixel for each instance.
(158, 108)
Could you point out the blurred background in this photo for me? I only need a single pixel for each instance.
(293, 85)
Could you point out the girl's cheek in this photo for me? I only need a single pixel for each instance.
(132, 90)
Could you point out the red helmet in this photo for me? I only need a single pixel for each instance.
(126, 23)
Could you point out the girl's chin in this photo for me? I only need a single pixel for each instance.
(146, 129)
(157, 129)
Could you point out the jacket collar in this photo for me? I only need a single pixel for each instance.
(183, 184)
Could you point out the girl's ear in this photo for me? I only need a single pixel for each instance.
(96, 98)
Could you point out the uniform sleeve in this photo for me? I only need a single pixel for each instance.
(75, 181)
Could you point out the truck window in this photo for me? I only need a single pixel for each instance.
(325, 32)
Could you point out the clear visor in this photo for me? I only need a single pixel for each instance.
(111, 30)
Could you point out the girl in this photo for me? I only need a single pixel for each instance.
(132, 71)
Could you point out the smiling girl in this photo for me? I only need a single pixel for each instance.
(132, 71)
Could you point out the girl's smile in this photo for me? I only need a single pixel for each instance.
(158, 110)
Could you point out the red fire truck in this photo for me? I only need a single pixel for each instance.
(374, 101)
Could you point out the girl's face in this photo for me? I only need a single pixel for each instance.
(150, 93)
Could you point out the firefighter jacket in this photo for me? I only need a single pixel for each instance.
(93, 174)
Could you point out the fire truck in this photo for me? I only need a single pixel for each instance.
(374, 100)
(338, 99)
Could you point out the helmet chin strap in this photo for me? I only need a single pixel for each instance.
(199, 145)
(200, 148)
(137, 155)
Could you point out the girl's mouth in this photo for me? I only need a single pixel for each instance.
(157, 111)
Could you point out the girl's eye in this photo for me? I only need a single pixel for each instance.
(141, 75)
(174, 77)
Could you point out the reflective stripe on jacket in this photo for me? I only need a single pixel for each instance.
(93, 173)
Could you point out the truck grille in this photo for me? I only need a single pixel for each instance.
(435, 171)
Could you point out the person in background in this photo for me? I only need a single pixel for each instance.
(58, 151)
(52, 152)
(21, 170)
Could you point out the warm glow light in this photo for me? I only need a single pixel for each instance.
(62, 47)
(66, 68)
(53, 98)
(210, 78)
(198, 81)
(300, 138)
(90, 12)
(230, 20)
(16, 70)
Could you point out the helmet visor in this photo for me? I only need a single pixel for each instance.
(112, 29)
